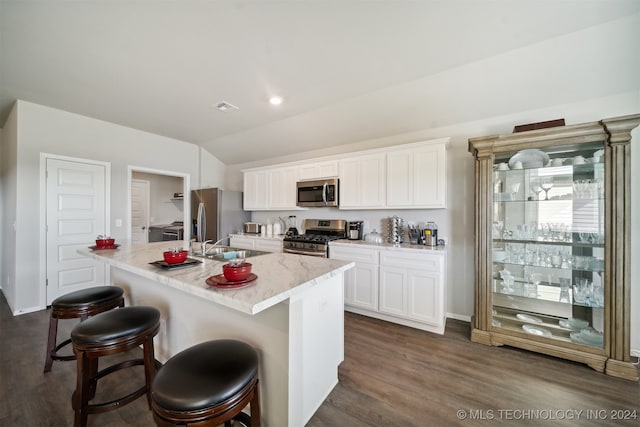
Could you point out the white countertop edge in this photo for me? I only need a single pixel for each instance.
(437, 250)
(211, 294)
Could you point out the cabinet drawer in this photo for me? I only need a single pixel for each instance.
(428, 262)
(268, 245)
(241, 242)
(353, 254)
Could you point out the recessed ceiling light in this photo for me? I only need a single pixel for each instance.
(225, 106)
(275, 100)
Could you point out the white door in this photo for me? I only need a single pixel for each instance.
(76, 213)
(140, 210)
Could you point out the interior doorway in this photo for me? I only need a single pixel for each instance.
(169, 200)
(140, 194)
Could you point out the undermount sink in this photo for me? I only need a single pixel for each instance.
(225, 253)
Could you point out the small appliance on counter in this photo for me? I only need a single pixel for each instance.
(251, 228)
(354, 230)
(292, 229)
(431, 234)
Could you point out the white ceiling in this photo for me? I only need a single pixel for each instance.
(347, 70)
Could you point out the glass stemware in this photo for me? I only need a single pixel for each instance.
(546, 184)
(531, 287)
(537, 189)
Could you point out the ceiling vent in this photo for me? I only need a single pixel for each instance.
(226, 107)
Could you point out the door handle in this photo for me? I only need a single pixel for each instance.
(324, 192)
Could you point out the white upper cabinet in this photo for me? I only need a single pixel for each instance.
(416, 176)
(282, 188)
(270, 189)
(256, 189)
(409, 176)
(363, 182)
(315, 170)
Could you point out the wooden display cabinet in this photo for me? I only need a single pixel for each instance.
(553, 242)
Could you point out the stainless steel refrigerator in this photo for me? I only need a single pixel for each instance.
(216, 213)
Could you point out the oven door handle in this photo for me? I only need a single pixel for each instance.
(298, 252)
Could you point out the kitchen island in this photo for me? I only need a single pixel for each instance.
(292, 314)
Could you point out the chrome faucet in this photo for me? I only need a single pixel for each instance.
(203, 247)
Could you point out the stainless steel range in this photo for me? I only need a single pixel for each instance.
(315, 240)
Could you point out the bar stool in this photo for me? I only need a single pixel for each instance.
(109, 333)
(207, 385)
(82, 304)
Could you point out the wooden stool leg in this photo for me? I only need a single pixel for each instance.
(81, 394)
(255, 406)
(149, 366)
(93, 372)
(51, 343)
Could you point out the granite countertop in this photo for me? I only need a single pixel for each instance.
(390, 246)
(280, 275)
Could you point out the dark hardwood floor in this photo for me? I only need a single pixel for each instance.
(391, 376)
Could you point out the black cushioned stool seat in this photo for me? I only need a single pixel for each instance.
(109, 333)
(79, 304)
(208, 384)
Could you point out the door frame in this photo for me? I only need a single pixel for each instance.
(186, 191)
(43, 214)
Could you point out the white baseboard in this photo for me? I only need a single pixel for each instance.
(459, 317)
(27, 310)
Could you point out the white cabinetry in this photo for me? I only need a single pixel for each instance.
(324, 169)
(416, 176)
(361, 282)
(398, 285)
(256, 186)
(409, 176)
(270, 189)
(258, 243)
(282, 188)
(363, 181)
(412, 286)
(268, 245)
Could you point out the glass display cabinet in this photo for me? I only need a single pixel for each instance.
(552, 242)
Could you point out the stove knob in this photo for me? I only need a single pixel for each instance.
(312, 247)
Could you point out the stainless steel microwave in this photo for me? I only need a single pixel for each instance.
(322, 192)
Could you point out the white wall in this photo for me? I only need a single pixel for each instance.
(46, 130)
(9, 196)
(456, 223)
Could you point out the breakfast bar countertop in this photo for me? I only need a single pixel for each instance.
(280, 275)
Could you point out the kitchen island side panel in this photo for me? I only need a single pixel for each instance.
(188, 320)
(316, 346)
(300, 341)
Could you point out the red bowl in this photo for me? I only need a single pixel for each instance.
(101, 243)
(175, 257)
(234, 273)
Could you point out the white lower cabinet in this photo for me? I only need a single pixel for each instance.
(361, 282)
(268, 245)
(414, 294)
(400, 286)
(258, 243)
